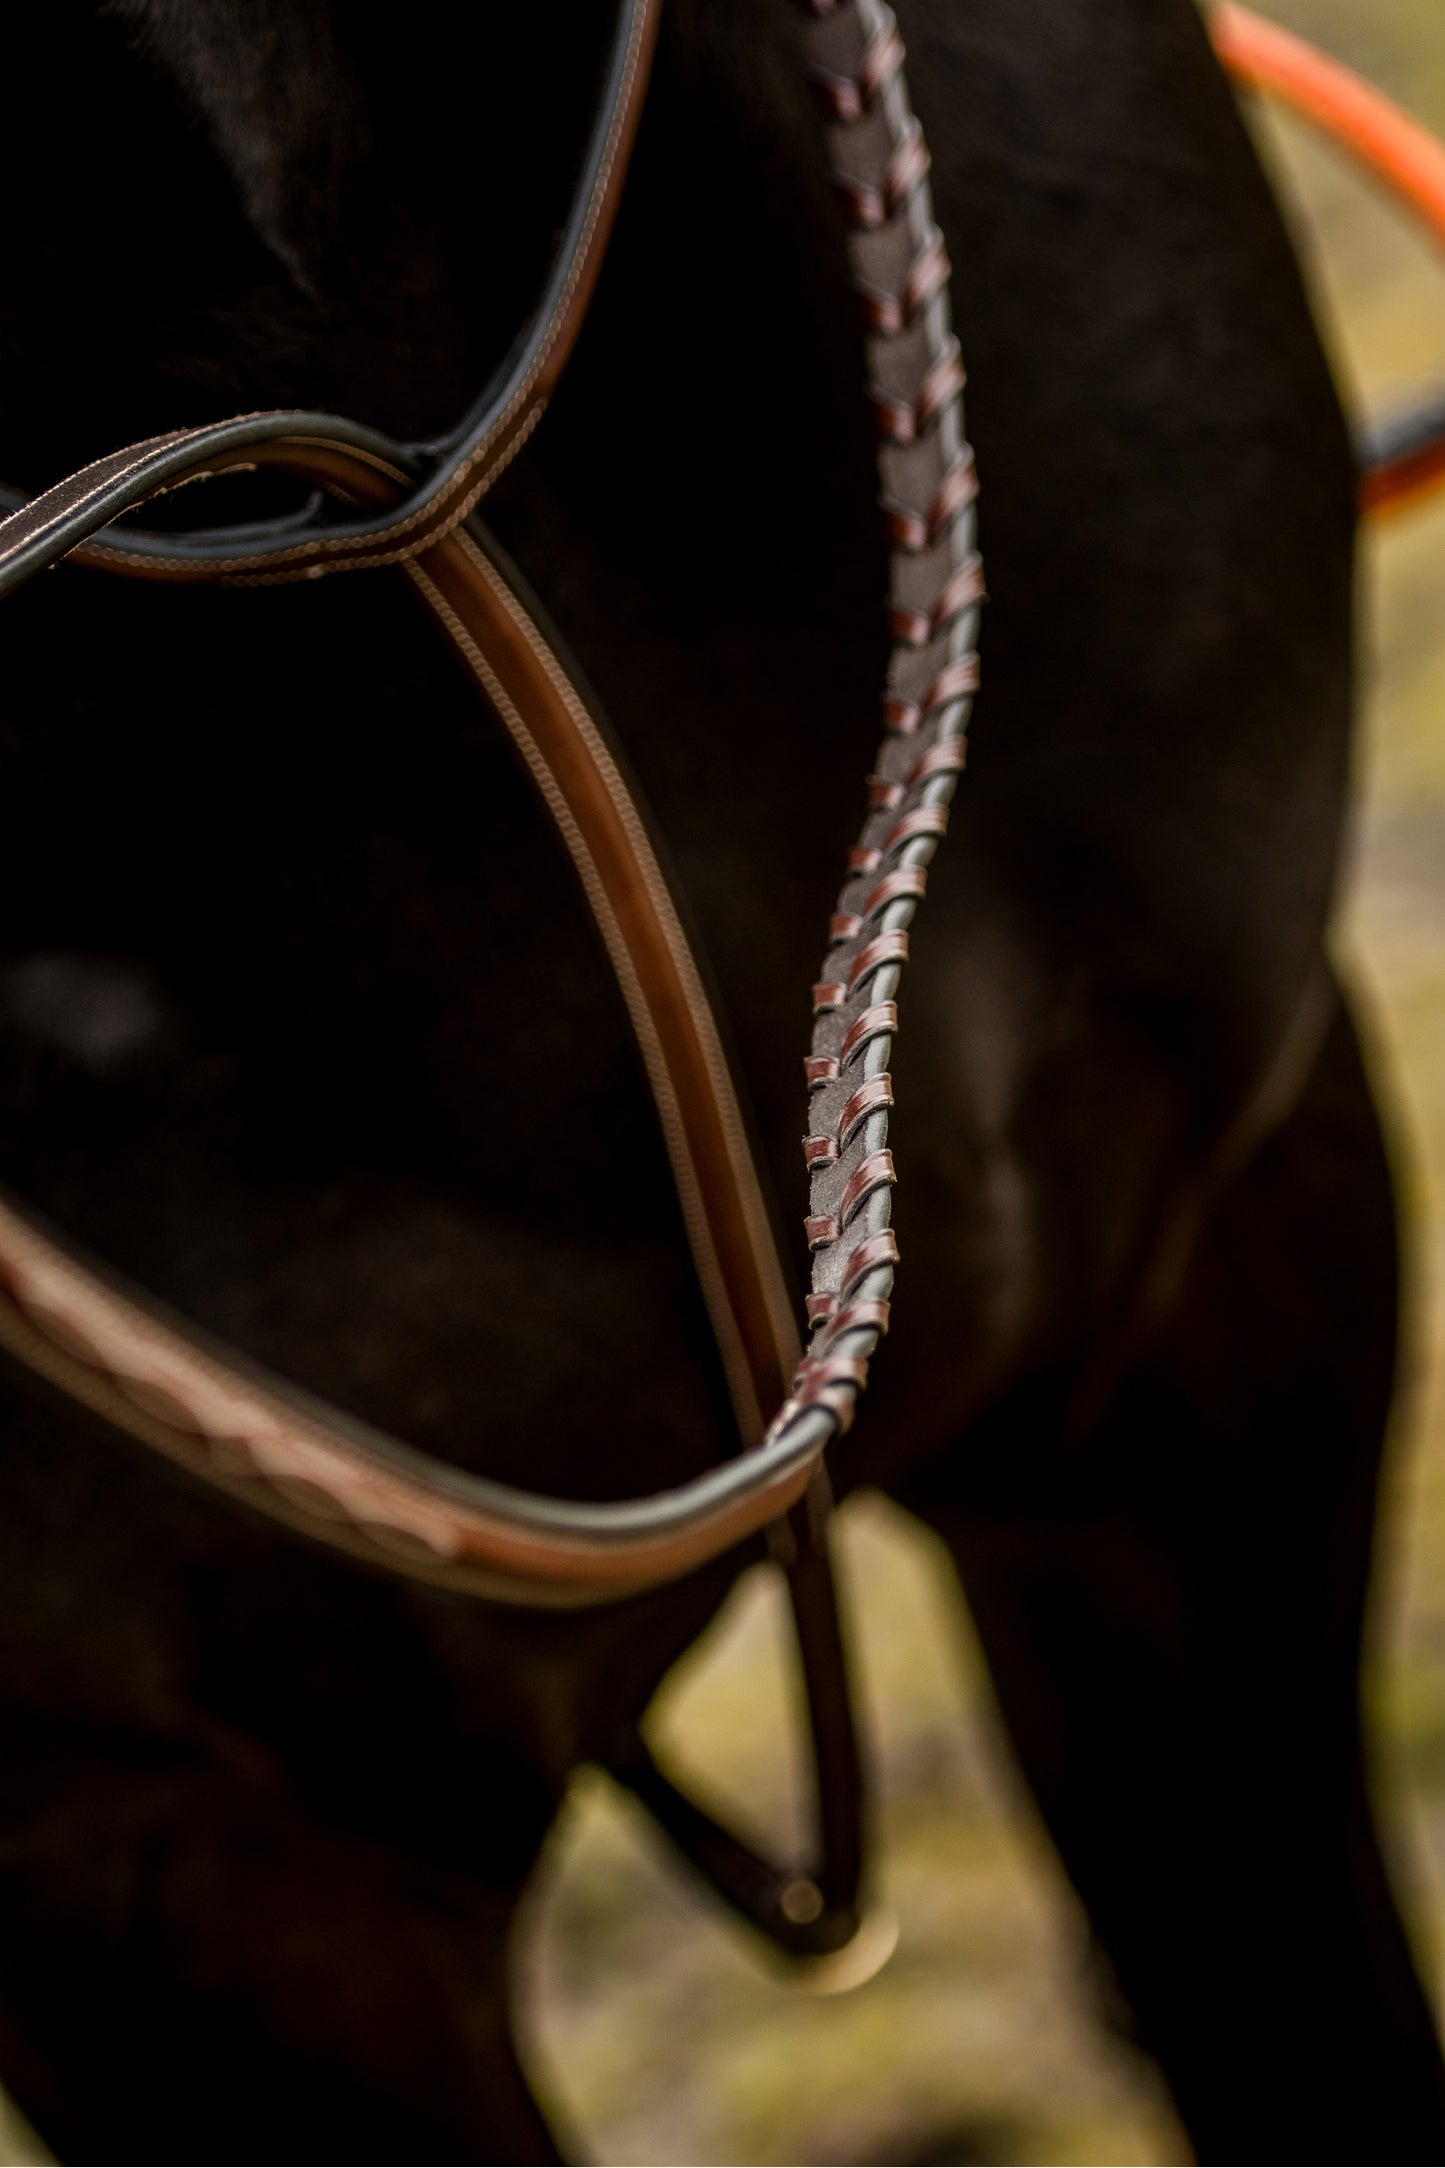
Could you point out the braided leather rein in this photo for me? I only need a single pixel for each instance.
(332, 1477)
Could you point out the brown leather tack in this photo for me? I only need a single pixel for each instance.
(331, 1477)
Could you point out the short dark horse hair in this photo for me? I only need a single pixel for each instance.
(265, 1819)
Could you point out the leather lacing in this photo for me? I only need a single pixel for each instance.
(857, 73)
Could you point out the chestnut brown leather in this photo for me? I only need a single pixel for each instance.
(752, 1315)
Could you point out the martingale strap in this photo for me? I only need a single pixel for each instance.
(166, 1384)
(442, 479)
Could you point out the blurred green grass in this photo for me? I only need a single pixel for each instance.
(653, 2032)
(657, 2034)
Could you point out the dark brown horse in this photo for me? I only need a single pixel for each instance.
(269, 1042)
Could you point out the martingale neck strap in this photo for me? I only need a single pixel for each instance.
(116, 1353)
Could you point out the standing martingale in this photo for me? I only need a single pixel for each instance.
(362, 1492)
(303, 1029)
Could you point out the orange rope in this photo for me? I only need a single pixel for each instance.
(1386, 141)
(1361, 119)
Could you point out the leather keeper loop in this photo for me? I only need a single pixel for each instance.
(871, 207)
(868, 1316)
(879, 1249)
(876, 1172)
(916, 627)
(947, 757)
(958, 488)
(868, 1099)
(847, 97)
(944, 381)
(888, 314)
(908, 166)
(903, 422)
(824, 1370)
(841, 1401)
(870, 1025)
(959, 593)
(885, 948)
(924, 820)
(910, 881)
(951, 684)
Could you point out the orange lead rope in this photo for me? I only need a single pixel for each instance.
(1388, 143)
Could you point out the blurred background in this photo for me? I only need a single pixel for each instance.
(652, 2031)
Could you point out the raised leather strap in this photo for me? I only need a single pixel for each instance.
(228, 1421)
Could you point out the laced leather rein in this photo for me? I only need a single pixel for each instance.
(143, 1373)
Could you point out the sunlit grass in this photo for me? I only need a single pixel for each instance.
(979, 2041)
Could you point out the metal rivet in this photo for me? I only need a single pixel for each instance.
(801, 1902)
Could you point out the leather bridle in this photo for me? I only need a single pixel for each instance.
(104, 1346)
